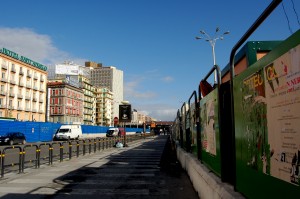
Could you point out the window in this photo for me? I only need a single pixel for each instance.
(1, 102)
(12, 77)
(27, 105)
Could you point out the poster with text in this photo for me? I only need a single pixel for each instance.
(282, 82)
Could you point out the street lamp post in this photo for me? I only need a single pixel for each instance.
(212, 41)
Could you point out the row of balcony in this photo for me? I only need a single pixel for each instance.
(64, 114)
(21, 72)
(21, 84)
(20, 96)
(19, 108)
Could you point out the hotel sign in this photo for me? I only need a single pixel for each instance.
(23, 59)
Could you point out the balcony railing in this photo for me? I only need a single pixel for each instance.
(3, 79)
(27, 97)
(4, 66)
(13, 69)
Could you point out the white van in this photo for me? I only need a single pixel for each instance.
(67, 132)
(112, 132)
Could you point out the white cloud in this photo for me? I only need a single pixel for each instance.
(167, 79)
(131, 91)
(159, 111)
(37, 47)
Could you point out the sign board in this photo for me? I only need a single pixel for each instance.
(153, 125)
(125, 113)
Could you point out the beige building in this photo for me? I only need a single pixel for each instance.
(104, 107)
(89, 101)
(22, 87)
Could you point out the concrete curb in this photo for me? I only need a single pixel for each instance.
(206, 183)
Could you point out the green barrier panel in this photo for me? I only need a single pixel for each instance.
(267, 124)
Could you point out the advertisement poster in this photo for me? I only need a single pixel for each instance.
(271, 118)
(282, 79)
(208, 120)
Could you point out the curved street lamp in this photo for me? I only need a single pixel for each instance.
(212, 41)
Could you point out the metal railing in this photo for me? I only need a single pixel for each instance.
(21, 157)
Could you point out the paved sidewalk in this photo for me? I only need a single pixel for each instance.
(130, 172)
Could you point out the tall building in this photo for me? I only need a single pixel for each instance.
(22, 87)
(65, 103)
(111, 78)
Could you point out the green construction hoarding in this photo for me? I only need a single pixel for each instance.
(267, 123)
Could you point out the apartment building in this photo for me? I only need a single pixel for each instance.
(22, 87)
(65, 102)
(104, 107)
(111, 78)
(89, 102)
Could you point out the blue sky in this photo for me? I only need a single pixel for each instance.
(152, 41)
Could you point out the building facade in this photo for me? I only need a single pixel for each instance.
(104, 107)
(65, 103)
(89, 102)
(22, 87)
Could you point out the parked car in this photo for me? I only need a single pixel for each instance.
(13, 138)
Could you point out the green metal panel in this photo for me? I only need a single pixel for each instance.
(267, 124)
(250, 50)
(210, 134)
